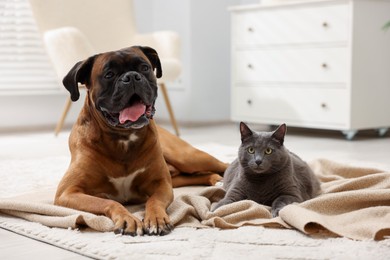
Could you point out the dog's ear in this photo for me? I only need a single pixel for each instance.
(80, 73)
(153, 58)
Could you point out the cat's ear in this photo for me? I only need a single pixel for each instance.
(245, 131)
(279, 133)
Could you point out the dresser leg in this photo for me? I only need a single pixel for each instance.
(349, 134)
(382, 131)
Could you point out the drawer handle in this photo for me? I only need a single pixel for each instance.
(324, 65)
(325, 25)
(250, 66)
(324, 105)
(249, 102)
(250, 29)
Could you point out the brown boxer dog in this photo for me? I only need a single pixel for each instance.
(118, 154)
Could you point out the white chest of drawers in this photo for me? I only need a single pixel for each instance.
(316, 64)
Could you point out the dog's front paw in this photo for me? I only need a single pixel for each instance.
(126, 224)
(214, 179)
(157, 224)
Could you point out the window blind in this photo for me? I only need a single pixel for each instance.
(24, 65)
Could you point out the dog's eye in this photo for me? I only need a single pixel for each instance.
(144, 68)
(109, 75)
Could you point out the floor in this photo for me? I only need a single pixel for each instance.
(366, 147)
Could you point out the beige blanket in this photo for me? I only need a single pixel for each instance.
(355, 204)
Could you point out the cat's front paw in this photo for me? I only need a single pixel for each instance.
(275, 212)
(215, 206)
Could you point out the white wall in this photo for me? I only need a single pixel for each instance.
(200, 95)
(202, 92)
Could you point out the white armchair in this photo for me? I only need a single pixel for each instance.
(73, 30)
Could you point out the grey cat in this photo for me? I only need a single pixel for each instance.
(267, 173)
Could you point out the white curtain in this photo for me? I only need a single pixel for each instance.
(24, 65)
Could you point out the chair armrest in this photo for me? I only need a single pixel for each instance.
(65, 46)
(166, 43)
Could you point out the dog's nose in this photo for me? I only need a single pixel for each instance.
(130, 76)
(137, 77)
(126, 79)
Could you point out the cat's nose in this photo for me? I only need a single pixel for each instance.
(258, 162)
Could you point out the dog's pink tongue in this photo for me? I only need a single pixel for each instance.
(132, 113)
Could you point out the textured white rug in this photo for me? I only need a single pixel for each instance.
(26, 176)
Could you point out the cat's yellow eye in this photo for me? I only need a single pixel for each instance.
(268, 151)
(251, 150)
